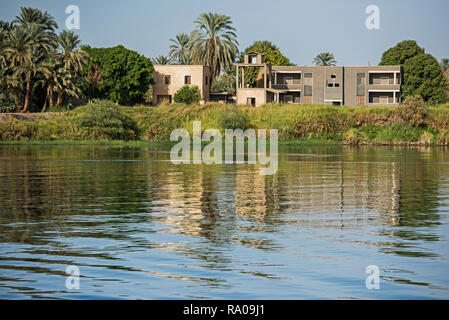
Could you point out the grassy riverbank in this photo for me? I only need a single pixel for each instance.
(106, 123)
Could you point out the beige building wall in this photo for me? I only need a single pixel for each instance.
(259, 94)
(199, 76)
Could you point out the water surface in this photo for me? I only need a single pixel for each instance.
(140, 227)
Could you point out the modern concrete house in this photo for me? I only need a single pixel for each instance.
(369, 85)
(170, 78)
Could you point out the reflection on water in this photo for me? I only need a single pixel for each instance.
(138, 226)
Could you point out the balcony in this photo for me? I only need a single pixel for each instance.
(286, 80)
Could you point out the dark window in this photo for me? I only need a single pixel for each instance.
(206, 80)
(167, 79)
(187, 79)
(333, 76)
(330, 85)
(337, 85)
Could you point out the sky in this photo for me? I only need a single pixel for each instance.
(300, 28)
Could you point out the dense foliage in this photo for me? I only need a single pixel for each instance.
(412, 111)
(125, 74)
(187, 94)
(37, 66)
(400, 53)
(307, 123)
(423, 75)
(213, 42)
(272, 55)
(105, 120)
(225, 82)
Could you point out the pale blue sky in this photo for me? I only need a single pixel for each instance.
(300, 28)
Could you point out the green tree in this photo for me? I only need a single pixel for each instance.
(179, 51)
(125, 74)
(325, 59)
(161, 60)
(214, 43)
(72, 59)
(400, 53)
(26, 50)
(272, 55)
(188, 95)
(423, 76)
(224, 82)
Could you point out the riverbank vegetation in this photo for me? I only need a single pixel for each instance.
(411, 123)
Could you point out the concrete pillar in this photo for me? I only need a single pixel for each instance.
(265, 78)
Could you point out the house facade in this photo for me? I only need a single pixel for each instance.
(170, 78)
(335, 85)
(368, 85)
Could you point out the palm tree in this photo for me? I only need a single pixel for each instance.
(214, 43)
(179, 49)
(160, 60)
(72, 60)
(25, 49)
(31, 15)
(73, 57)
(325, 59)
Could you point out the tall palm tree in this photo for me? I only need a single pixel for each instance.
(214, 43)
(73, 57)
(160, 60)
(26, 51)
(179, 50)
(31, 15)
(325, 59)
(72, 60)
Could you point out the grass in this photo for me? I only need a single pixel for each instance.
(107, 123)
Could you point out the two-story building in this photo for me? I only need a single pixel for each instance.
(368, 85)
(169, 78)
(337, 85)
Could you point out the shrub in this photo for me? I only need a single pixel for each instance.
(399, 133)
(16, 130)
(370, 131)
(353, 136)
(234, 118)
(188, 95)
(104, 120)
(413, 112)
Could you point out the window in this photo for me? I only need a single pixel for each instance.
(337, 85)
(167, 79)
(308, 79)
(206, 80)
(330, 85)
(254, 59)
(187, 79)
(384, 80)
(333, 76)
